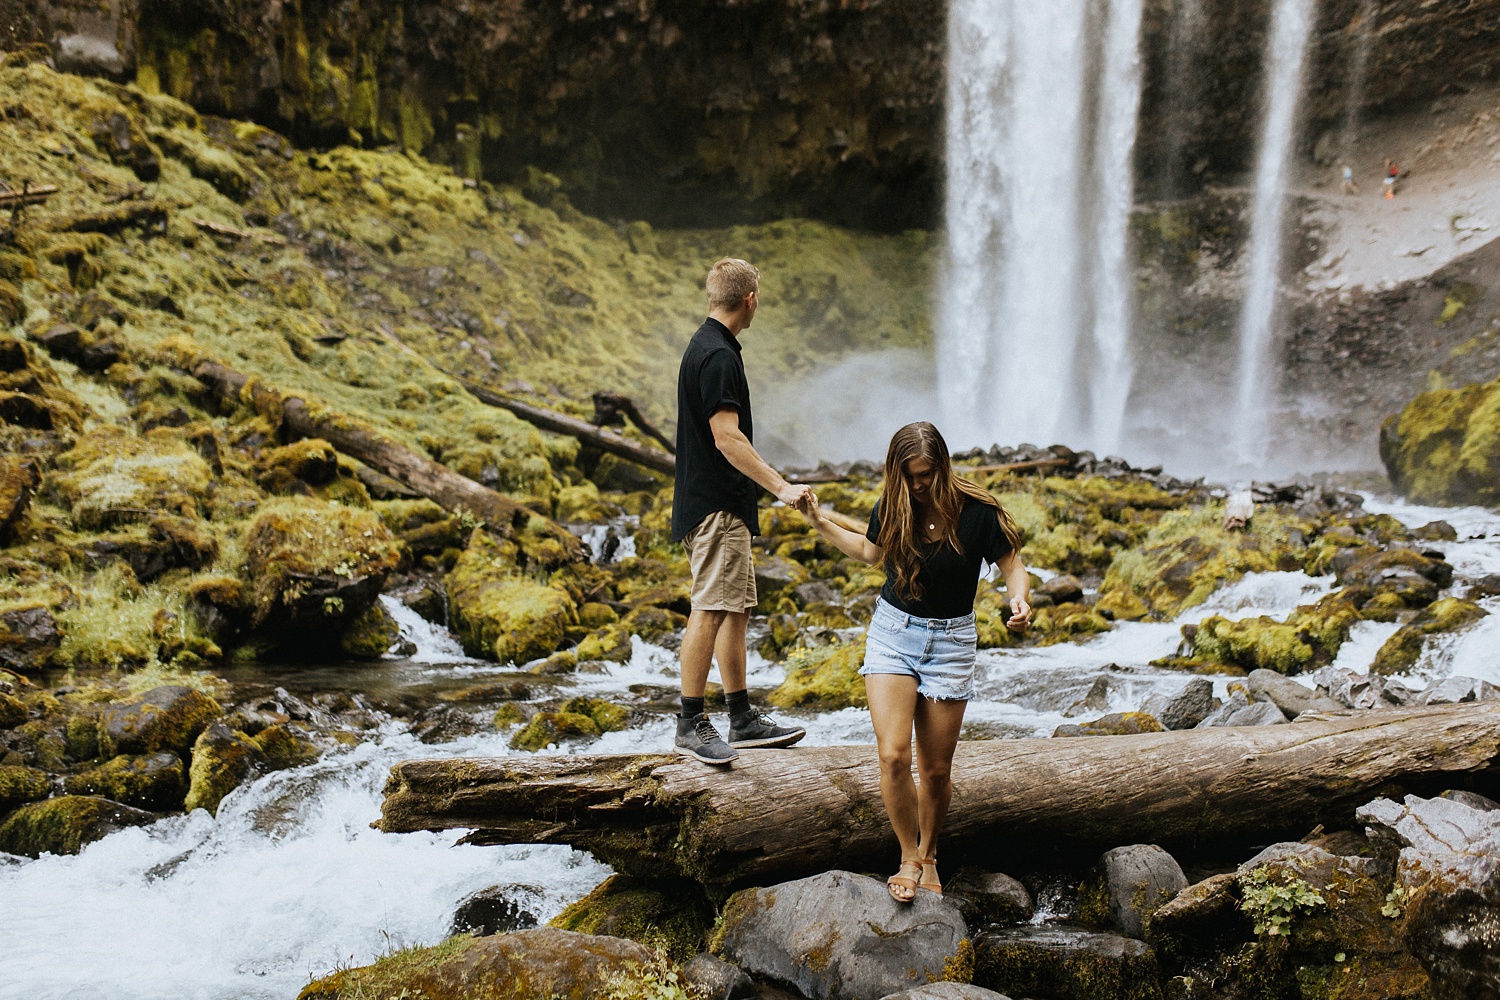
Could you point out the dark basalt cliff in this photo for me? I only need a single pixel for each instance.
(689, 111)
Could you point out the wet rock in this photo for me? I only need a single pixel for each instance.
(223, 758)
(63, 825)
(775, 576)
(1114, 724)
(370, 635)
(164, 718)
(824, 677)
(1457, 690)
(550, 962)
(18, 478)
(1436, 531)
(13, 711)
(20, 785)
(1411, 576)
(1063, 589)
(1061, 961)
(1199, 917)
(1185, 709)
(715, 979)
(1286, 694)
(1485, 586)
(669, 915)
(839, 935)
(1401, 651)
(500, 909)
(497, 613)
(815, 592)
(1095, 700)
(577, 718)
(989, 898)
(1439, 449)
(947, 991)
(1239, 711)
(1360, 691)
(1353, 891)
(28, 637)
(151, 781)
(1127, 886)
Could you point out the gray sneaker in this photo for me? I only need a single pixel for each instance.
(757, 729)
(697, 737)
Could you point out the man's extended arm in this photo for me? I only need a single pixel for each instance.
(741, 454)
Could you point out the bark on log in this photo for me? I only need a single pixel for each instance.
(30, 194)
(561, 423)
(430, 479)
(782, 814)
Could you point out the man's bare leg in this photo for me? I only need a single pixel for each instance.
(729, 649)
(697, 652)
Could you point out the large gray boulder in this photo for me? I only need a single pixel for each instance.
(1240, 711)
(989, 898)
(1456, 690)
(1356, 690)
(1059, 961)
(840, 936)
(1185, 709)
(1130, 884)
(1289, 696)
(1449, 873)
(948, 991)
(499, 909)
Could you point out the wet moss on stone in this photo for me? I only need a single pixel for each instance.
(500, 614)
(672, 916)
(1444, 447)
(1401, 651)
(20, 785)
(824, 677)
(150, 781)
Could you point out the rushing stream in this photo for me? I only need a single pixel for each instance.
(290, 882)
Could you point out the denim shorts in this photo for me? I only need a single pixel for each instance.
(938, 652)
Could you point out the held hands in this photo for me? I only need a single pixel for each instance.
(796, 496)
(807, 506)
(1020, 617)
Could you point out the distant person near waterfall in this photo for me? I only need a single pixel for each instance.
(933, 532)
(715, 513)
(1349, 186)
(1392, 174)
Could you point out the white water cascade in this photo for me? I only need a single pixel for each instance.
(1033, 329)
(1291, 27)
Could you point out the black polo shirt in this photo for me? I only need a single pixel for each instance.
(712, 376)
(949, 580)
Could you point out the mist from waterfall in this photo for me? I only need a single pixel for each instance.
(1034, 310)
(1286, 55)
(1188, 44)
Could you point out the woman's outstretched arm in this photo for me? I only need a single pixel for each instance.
(1018, 585)
(850, 543)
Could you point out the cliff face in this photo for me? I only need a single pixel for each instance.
(686, 112)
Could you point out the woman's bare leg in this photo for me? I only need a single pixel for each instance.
(937, 726)
(893, 700)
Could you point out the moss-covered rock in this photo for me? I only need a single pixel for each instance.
(371, 634)
(312, 462)
(1412, 577)
(610, 643)
(1189, 555)
(607, 715)
(20, 785)
(824, 677)
(549, 728)
(500, 614)
(153, 781)
(114, 476)
(1067, 623)
(1114, 724)
(29, 636)
(541, 962)
(673, 917)
(1444, 447)
(1308, 639)
(224, 758)
(1401, 651)
(63, 825)
(165, 718)
(13, 711)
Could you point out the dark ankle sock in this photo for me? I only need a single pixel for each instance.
(691, 708)
(738, 702)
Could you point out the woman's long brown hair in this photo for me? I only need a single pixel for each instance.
(898, 523)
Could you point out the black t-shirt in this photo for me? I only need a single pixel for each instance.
(712, 376)
(949, 579)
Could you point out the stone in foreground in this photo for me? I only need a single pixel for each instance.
(716, 979)
(1130, 884)
(838, 936)
(948, 991)
(1060, 961)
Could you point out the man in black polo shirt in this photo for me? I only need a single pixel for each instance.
(714, 515)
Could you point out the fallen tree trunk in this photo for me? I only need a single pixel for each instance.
(561, 423)
(30, 194)
(782, 814)
(421, 474)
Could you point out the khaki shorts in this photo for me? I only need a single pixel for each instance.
(718, 550)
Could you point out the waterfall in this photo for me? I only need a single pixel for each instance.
(1291, 27)
(1033, 328)
(1187, 46)
(1354, 84)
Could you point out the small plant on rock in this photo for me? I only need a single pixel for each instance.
(1272, 904)
(657, 980)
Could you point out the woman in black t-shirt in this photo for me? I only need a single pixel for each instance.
(932, 531)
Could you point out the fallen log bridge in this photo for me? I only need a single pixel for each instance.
(782, 814)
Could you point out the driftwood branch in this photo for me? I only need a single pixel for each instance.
(611, 408)
(219, 229)
(561, 423)
(28, 195)
(419, 473)
(780, 814)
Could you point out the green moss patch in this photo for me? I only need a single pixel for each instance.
(500, 614)
(673, 917)
(825, 677)
(1444, 447)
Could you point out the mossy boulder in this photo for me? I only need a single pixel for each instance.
(670, 916)
(824, 677)
(313, 567)
(1444, 446)
(63, 825)
(311, 462)
(370, 635)
(114, 476)
(224, 758)
(154, 781)
(165, 718)
(1308, 639)
(1067, 623)
(540, 962)
(596, 615)
(550, 728)
(1189, 555)
(610, 643)
(1062, 961)
(20, 785)
(13, 711)
(1114, 724)
(29, 636)
(1413, 577)
(499, 614)
(1402, 650)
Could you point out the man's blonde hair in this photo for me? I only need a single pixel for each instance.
(729, 281)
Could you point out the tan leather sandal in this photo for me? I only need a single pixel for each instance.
(934, 885)
(901, 880)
